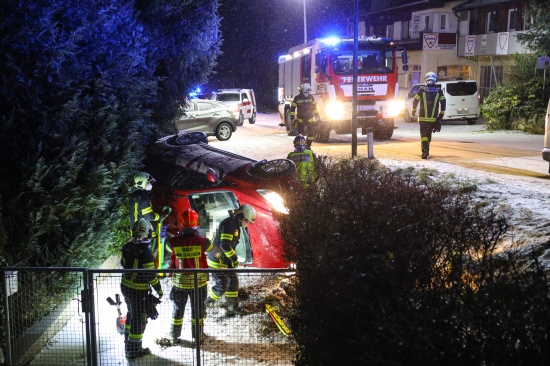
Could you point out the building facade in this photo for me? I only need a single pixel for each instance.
(458, 40)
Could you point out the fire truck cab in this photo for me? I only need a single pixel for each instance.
(327, 65)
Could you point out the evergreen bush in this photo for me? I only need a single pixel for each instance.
(395, 267)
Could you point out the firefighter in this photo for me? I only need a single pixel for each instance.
(188, 251)
(304, 159)
(304, 118)
(140, 200)
(222, 255)
(136, 287)
(432, 108)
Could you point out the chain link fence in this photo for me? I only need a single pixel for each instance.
(62, 316)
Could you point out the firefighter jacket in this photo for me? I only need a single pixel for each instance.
(305, 165)
(432, 103)
(188, 250)
(307, 107)
(140, 207)
(137, 255)
(221, 253)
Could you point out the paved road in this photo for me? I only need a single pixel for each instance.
(468, 146)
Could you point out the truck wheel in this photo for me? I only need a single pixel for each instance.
(223, 132)
(290, 129)
(321, 136)
(240, 121)
(472, 121)
(252, 119)
(383, 132)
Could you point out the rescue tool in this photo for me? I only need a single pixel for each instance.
(120, 320)
(280, 323)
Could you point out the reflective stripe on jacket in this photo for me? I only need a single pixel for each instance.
(188, 252)
(139, 256)
(432, 103)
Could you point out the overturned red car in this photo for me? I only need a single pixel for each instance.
(190, 173)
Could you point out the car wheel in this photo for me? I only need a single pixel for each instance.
(290, 129)
(223, 132)
(273, 168)
(472, 121)
(252, 119)
(190, 138)
(383, 132)
(240, 121)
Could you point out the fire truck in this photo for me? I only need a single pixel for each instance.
(327, 65)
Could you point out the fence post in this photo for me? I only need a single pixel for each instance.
(370, 142)
(88, 309)
(7, 341)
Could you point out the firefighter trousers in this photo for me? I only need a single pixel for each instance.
(224, 283)
(179, 297)
(136, 318)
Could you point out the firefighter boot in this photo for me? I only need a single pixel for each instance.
(135, 350)
(175, 331)
(232, 306)
(425, 149)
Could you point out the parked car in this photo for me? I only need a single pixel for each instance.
(462, 101)
(208, 116)
(546, 150)
(241, 102)
(190, 173)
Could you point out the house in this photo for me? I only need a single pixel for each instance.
(459, 40)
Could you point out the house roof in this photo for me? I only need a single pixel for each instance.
(473, 4)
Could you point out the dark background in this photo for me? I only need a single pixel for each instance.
(256, 32)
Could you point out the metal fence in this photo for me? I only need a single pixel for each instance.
(61, 316)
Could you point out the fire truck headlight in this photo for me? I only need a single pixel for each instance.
(335, 110)
(274, 199)
(396, 107)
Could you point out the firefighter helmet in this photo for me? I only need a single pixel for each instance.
(306, 88)
(189, 218)
(431, 78)
(142, 179)
(142, 229)
(248, 213)
(300, 143)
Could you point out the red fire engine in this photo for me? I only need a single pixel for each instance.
(327, 65)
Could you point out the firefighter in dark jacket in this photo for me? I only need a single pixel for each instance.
(303, 111)
(222, 255)
(188, 251)
(432, 108)
(140, 200)
(304, 159)
(136, 287)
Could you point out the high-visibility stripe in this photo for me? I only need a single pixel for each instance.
(231, 294)
(213, 264)
(212, 295)
(177, 321)
(230, 253)
(135, 285)
(228, 237)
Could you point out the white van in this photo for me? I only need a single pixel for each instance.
(241, 102)
(461, 97)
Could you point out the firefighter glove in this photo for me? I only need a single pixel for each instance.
(413, 113)
(151, 306)
(437, 125)
(235, 264)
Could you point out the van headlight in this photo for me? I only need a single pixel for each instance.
(395, 107)
(335, 110)
(274, 199)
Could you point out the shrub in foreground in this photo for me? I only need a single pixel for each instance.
(395, 267)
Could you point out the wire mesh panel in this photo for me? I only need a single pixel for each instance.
(46, 326)
(249, 338)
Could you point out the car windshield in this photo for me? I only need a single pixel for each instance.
(228, 97)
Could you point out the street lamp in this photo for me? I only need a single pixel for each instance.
(305, 23)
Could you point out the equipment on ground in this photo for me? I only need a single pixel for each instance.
(120, 320)
(280, 323)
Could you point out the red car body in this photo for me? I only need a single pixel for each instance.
(190, 173)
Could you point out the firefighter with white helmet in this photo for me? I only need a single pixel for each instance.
(432, 108)
(136, 288)
(302, 112)
(140, 199)
(222, 255)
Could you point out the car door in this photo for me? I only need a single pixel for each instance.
(190, 120)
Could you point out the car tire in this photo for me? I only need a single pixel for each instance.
(383, 132)
(252, 119)
(290, 129)
(240, 121)
(273, 168)
(190, 138)
(224, 131)
(472, 121)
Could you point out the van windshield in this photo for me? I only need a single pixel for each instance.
(228, 97)
(461, 88)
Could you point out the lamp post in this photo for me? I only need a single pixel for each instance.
(305, 23)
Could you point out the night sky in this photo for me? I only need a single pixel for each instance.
(256, 32)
